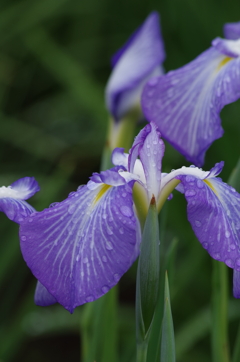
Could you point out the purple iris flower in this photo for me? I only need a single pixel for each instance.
(186, 103)
(139, 59)
(79, 248)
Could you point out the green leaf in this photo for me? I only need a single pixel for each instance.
(234, 179)
(148, 266)
(220, 352)
(168, 342)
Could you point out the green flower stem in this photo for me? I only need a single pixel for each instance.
(220, 351)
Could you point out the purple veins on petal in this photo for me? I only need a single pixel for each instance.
(186, 103)
(214, 213)
(76, 248)
(133, 64)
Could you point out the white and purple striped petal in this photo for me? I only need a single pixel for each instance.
(12, 198)
(139, 59)
(214, 213)
(186, 103)
(81, 247)
(232, 30)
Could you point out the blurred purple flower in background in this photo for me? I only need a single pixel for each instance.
(140, 58)
(186, 103)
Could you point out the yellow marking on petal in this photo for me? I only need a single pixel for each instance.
(102, 191)
(211, 186)
(223, 62)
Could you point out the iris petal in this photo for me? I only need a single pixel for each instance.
(81, 247)
(42, 297)
(232, 30)
(186, 103)
(137, 60)
(214, 213)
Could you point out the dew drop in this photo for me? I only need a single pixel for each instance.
(71, 194)
(126, 211)
(109, 231)
(200, 184)
(104, 259)
(124, 194)
(82, 274)
(54, 204)
(77, 257)
(198, 223)
(108, 245)
(216, 256)
(85, 260)
(190, 193)
(227, 234)
(121, 231)
(190, 178)
(232, 246)
(229, 262)
(30, 220)
(90, 298)
(238, 262)
(148, 145)
(116, 277)
(205, 245)
(23, 238)
(104, 216)
(71, 209)
(80, 187)
(105, 289)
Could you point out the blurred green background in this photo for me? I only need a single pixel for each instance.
(54, 64)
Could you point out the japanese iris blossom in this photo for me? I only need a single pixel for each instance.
(79, 248)
(186, 103)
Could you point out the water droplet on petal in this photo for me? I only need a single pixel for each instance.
(238, 262)
(90, 298)
(229, 262)
(227, 234)
(200, 184)
(104, 259)
(190, 193)
(124, 194)
(71, 209)
(190, 178)
(232, 246)
(104, 216)
(205, 245)
(121, 231)
(198, 223)
(116, 277)
(54, 204)
(126, 211)
(77, 257)
(85, 260)
(23, 238)
(80, 187)
(216, 256)
(105, 289)
(109, 245)
(109, 231)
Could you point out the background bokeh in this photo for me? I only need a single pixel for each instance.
(54, 64)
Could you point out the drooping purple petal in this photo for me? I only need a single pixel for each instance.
(12, 198)
(42, 297)
(15, 210)
(81, 247)
(214, 213)
(236, 283)
(25, 187)
(186, 103)
(134, 63)
(119, 158)
(232, 30)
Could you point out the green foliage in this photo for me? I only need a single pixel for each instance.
(54, 64)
